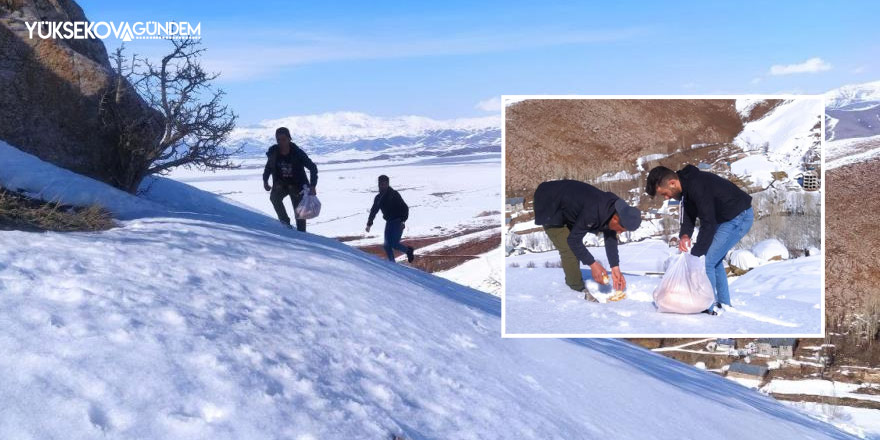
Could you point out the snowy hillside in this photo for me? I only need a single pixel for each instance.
(851, 94)
(786, 139)
(200, 319)
(347, 136)
(853, 111)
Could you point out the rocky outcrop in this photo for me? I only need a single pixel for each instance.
(61, 100)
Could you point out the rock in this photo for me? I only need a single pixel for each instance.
(741, 261)
(770, 250)
(51, 95)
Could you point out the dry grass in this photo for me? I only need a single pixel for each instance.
(19, 212)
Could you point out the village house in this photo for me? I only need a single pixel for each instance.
(746, 371)
(514, 204)
(726, 344)
(778, 347)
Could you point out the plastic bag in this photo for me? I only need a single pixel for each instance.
(309, 206)
(685, 288)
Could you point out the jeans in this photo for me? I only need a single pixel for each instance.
(393, 232)
(279, 192)
(726, 237)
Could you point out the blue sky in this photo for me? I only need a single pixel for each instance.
(443, 59)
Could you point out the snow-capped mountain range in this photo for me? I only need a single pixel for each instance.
(358, 136)
(853, 111)
(848, 95)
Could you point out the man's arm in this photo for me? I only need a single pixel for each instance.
(267, 171)
(708, 226)
(405, 208)
(611, 248)
(374, 210)
(687, 222)
(704, 240)
(313, 169)
(575, 241)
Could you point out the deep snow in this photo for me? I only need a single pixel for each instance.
(776, 298)
(202, 319)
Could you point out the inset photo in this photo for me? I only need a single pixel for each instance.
(672, 216)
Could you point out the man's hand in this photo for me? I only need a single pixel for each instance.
(266, 186)
(617, 277)
(368, 228)
(313, 191)
(684, 243)
(599, 272)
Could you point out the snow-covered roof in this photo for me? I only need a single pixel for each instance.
(778, 342)
(752, 370)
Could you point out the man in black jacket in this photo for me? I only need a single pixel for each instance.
(725, 214)
(395, 212)
(286, 163)
(568, 210)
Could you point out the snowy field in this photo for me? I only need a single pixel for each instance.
(444, 194)
(198, 319)
(776, 298)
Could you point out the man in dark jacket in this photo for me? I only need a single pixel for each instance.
(725, 214)
(395, 212)
(568, 210)
(286, 163)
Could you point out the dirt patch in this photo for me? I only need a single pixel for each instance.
(761, 109)
(446, 258)
(830, 400)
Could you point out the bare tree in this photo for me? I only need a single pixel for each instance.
(190, 124)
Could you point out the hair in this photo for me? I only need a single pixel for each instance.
(384, 178)
(659, 176)
(285, 131)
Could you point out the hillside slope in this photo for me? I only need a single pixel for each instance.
(201, 319)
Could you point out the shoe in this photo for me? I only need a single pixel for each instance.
(714, 310)
(595, 297)
(410, 254)
(589, 297)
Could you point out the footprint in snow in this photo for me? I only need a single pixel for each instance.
(98, 417)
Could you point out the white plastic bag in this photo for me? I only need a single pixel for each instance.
(685, 288)
(309, 206)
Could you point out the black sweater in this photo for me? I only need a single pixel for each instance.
(299, 159)
(392, 206)
(583, 208)
(710, 198)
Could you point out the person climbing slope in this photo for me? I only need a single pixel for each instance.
(395, 212)
(286, 163)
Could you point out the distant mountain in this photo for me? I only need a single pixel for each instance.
(846, 96)
(350, 136)
(853, 111)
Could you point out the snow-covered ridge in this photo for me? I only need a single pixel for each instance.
(789, 136)
(185, 325)
(349, 126)
(852, 94)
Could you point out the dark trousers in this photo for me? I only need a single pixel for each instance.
(571, 267)
(279, 192)
(393, 232)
